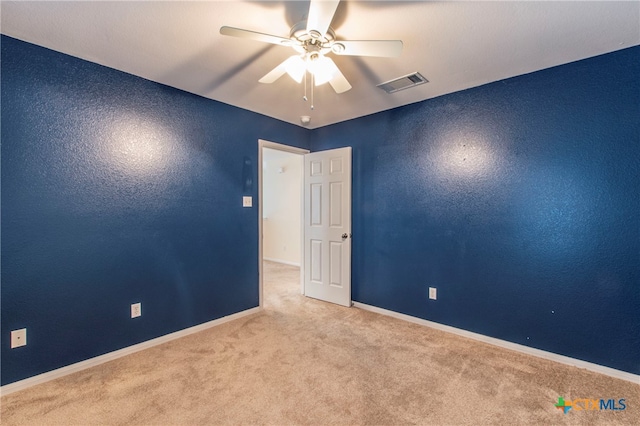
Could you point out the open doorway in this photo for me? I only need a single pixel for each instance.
(280, 208)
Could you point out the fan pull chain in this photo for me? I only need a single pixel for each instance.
(312, 84)
(305, 87)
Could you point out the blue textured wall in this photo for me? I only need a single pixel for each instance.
(519, 200)
(118, 190)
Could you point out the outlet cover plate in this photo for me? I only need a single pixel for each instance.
(136, 310)
(18, 338)
(433, 293)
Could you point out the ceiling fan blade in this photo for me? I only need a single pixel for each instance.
(381, 48)
(320, 16)
(266, 38)
(338, 81)
(275, 73)
(293, 65)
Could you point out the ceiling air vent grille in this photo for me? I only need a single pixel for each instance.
(411, 80)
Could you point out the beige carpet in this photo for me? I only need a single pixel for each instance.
(302, 361)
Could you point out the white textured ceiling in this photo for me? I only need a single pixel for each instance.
(455, 45)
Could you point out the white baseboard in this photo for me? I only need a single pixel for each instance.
(92, 362)
(285, 262)
(596, 368)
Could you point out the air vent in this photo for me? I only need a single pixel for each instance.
(411, 80)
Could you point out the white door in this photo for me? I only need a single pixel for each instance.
(327, 225)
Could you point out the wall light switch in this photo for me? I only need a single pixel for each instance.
(433, 293)
(18, 338)
(247, 201)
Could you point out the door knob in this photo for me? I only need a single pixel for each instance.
(344, 236)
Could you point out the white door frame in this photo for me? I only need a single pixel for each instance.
(294, 150)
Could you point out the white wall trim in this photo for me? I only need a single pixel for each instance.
(596, 368)
(284, 262)
(92, 362)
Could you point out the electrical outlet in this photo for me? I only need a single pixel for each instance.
(136, 310)
(247, 201)
(18, 338)
(433, 293)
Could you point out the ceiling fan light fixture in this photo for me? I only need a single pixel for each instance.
(296, 67)
(322, 68)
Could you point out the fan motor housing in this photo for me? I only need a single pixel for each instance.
(308, 41)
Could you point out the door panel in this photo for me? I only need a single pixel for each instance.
(316, 204)
(327, 227)
(336, 264)
(335, 204)
(316, 261)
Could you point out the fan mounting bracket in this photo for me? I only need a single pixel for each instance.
(304, 41)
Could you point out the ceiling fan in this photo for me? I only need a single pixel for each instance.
(313, 39)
